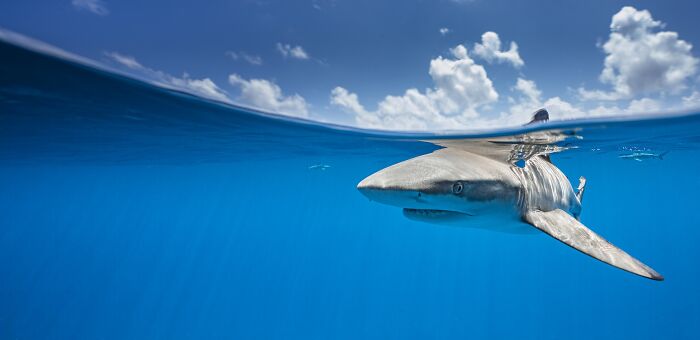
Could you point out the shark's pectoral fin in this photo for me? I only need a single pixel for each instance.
(567, 229)
(581, 188)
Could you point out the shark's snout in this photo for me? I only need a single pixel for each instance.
(368, 183)
(379, 188)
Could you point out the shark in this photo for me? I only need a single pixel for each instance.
(641, 156)
(506, 184)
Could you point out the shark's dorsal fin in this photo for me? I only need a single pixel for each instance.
(539, 116)
(560, 225)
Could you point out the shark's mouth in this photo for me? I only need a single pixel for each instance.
(434, 215)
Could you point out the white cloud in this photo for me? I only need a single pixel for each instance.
(460, 82)
(445, 31)
(528, 101)
(521, 109)
(490, 50)
(296, 52)
(603, 110)
(204, 87)
(343, 98)
(125, 60)
(257, 93)
(643, 105)
(529, 89)
(692, 100)
(638, 106)
(561, 109)
(640, 61)
(95, 6)
(585, 94)
(266, 95)
(460, 87)
(249, 58)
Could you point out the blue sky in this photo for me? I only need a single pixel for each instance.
(337, 60)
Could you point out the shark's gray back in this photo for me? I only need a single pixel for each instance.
(467, 166)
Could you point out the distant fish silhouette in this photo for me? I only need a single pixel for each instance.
(640, 156)
(319, 167)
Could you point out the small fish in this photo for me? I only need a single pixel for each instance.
(319, 167)
(640, 156)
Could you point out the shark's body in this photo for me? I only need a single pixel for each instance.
(480, 186)
(494, 194)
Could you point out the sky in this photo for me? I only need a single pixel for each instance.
(396, 65)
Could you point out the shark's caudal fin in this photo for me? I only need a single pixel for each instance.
(539, 116)
(568, 230)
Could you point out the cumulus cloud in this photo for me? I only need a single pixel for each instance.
(637, 106)
(95, 6)
(257, 93)
(343, 98)
(521, 107)
(528, 99)
(643, 105)
(249, 58)
(529, 89)
(204, 87)
(266, 95)
(562, 109)
(295, 52)
(490, 50)
(641, 61)
(692, 100)
(460, 87)
(445, 31)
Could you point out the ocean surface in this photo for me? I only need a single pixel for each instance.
(129, 211)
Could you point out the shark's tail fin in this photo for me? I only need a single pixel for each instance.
(539, 116)
(661, 155)
(581, 188)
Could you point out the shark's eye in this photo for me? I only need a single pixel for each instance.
(457, 188)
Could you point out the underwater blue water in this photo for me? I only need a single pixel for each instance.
(133, 212)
